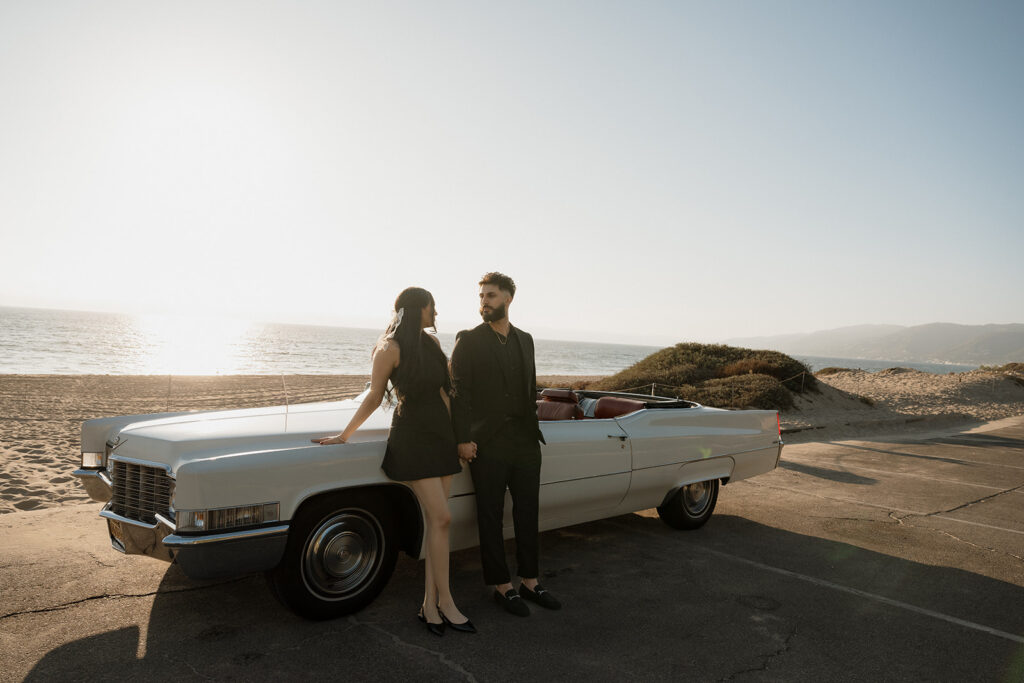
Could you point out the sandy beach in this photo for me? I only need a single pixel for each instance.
(41, 415)
(855, 404)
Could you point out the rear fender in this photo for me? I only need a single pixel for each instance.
(701, 470)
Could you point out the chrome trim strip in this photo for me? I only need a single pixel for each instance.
(107, 514)
(722, 455)
(166, 522)
(232, 507)
(94, 474)
(175, 541)
(563, 481)
(143, 463)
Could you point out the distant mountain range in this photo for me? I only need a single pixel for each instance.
(932, 343)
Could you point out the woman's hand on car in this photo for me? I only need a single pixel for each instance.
(328, 440)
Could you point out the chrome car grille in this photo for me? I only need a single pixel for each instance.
(140, 492)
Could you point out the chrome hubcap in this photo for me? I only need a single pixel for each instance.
(696, 497)
(342, 554)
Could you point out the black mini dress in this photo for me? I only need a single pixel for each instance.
(422, 442)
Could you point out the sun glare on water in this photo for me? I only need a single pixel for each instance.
(192, 345)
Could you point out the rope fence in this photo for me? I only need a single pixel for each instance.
(654, 385)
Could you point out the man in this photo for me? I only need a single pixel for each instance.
(495, 416)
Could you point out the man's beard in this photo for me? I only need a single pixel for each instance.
(494, 314)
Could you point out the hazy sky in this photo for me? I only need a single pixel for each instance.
(647, 171)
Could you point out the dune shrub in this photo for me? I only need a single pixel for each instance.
(743, 391)
(831, 370)
(690, 363)
(1009, 368)
(717, 375)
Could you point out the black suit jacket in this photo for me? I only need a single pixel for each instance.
(478, 408)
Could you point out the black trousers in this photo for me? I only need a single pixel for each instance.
(491, 476)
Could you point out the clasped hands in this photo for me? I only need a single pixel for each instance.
(467, 451)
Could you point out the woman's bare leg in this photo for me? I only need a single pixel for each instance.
(433, 498)
(430, 594)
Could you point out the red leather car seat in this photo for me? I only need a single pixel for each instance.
(559, 395)
(558, 404)
(558, 410)
(613, 406)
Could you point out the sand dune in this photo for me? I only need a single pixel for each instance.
(41, 415)
(855, 403)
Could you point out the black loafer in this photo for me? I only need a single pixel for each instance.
(540, 596)
(436, 629)
(512, 603)
(464, 627)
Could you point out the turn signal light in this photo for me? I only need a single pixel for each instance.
(220, 519)
(92, 460)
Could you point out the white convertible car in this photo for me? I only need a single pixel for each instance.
(231, 492)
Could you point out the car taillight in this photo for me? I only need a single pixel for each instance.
(778, 421)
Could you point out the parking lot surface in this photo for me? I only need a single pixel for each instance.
(870, 560)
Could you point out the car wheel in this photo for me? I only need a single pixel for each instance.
(691, 506)
(341, 552)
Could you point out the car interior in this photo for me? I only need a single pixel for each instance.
(567, 404)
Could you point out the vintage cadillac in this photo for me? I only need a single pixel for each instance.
(237, 491)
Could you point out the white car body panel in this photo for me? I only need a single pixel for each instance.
(591, 468)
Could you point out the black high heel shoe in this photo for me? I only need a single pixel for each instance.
(464, 627)
(436, 629)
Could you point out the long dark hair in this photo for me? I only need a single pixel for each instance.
(405, 328)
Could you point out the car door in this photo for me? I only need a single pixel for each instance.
(585, 470)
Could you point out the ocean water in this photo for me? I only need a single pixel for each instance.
(38, 341)
(818, 362)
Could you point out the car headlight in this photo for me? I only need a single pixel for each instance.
(218, 519)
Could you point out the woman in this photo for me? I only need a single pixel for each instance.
(421, 447)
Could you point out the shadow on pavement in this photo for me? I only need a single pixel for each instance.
(825, 473)
(903, 454)
(642, 601)
(979, 440)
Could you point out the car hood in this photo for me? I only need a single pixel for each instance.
(176, 439)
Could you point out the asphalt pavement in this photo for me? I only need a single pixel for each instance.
(862, 560)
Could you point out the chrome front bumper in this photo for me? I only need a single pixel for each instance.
(200, 557)
(229, 554)
(97, 484)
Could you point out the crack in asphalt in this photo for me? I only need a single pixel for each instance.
(975, 502)
(902, 522)
(114, 596)
(887, 508)
(181, 660)
(100, 562)
(964, 540)
(767, 659)
(441, 657)
(305, 642)
(850, 519)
